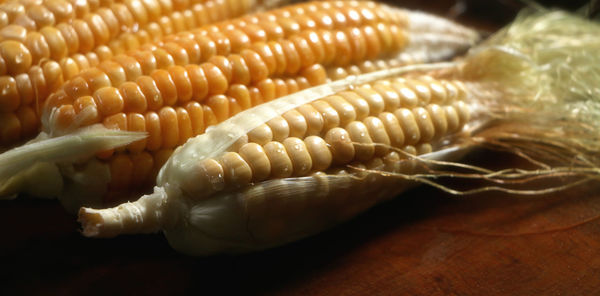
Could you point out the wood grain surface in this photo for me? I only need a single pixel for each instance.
(422, 243)
(425, 242)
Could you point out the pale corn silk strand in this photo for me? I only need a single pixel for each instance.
(542, 88)
(532, 90)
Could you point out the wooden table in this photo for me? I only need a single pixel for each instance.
(425, 242)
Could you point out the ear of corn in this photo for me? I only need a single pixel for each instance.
(176, 88)
(237, 189)
(28, 91)
(258, 66)
(239, 161)
(296, 52)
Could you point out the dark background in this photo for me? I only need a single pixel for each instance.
(424, 242)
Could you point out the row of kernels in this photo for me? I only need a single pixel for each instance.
(185, 19)
(235, 68)
(327, 46)
(264, 26)
(25, 89)
(53, 42)
(339, 47)
(423, 90)
(175, 86)
(330, 15)
(337, 72)
(390, 34)
(291, 157)
(252, 163)
(158, 89)
(37, 14)
(178, 21)
(365, 111)
(402, 127)
(52, 12)
(356, 140)
(131, 172)
(22, 123)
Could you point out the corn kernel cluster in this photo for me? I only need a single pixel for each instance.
(173, 68)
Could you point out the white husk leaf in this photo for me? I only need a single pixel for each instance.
(16, 164)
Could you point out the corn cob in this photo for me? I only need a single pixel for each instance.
(259, 62)
(311, 144)
(174, 93)
(35, 63)
(223, 192)
(388, 39)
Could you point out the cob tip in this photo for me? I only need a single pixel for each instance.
(91, 222)
(146, 215)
